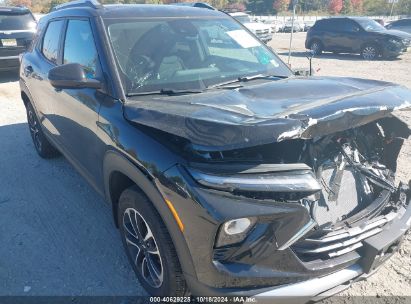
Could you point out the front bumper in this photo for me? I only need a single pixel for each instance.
(378, 249)
(258, 265)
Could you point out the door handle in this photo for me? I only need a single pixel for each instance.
(28, 70)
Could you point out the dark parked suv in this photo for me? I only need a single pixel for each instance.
(357, 35)
(226, 174)
(17, 27)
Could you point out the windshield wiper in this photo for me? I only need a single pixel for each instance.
(165, 92)
(246, 79)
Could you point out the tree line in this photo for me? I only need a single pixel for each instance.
(271, 7)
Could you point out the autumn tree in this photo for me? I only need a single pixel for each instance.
(26, 3)
(358, 5)
(335, 6)
(281, 5)
(347, 7)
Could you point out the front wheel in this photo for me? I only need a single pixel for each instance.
(148, 245)
(369, 52)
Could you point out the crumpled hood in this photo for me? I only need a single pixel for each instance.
(269, 112)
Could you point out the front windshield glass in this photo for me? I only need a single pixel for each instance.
(370, 25)
(187, 54)
(13, 22)
(243, 19)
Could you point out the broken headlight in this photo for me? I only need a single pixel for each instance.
(282, 178)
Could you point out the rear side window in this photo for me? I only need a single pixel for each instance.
(16, 21)
(51, 40)
(79, 47)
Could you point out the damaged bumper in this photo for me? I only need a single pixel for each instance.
(377, 249)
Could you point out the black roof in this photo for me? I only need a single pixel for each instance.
(135, 11)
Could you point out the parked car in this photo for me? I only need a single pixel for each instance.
(276, 25)
(308, 24)
(401, 25)
(17, 27)
(356, 35)
(298, 26)
(261, 30)
(227, 175)
(194, 4)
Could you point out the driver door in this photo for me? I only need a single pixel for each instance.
(76, 110)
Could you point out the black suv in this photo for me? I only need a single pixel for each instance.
(17, 28)
(357, 35)
(226, 174)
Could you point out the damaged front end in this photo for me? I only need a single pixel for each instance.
(301, 193)
(346, 182)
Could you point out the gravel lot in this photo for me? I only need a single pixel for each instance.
(57, 235)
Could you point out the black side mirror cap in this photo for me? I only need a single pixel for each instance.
(71, 76)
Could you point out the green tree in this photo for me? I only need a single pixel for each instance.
(347, 8)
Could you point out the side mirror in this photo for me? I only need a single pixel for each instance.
(71, 76)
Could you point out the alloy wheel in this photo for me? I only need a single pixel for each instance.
(34, 129)
(369, 53)
(142, 247)
(315, 47)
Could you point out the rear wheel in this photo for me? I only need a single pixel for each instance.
(317, 47)
(369, 52)
(43, 147)
(149, 247)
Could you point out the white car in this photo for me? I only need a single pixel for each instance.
(261, 30)
(298, 26)
(276, 25)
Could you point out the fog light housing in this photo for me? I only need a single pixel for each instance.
(234, 231)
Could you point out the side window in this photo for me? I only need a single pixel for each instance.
(79, 47)
(51, 40)
(349, 26)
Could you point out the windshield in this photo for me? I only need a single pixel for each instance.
(13, 22)
(242, 19)
(370, 25)
(187, 54)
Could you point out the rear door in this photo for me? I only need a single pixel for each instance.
(44, 56)
(350, 39)
(330, 34)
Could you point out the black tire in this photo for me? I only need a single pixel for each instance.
(370, 52)
(317, 47)
(166, 262)
(42, 145)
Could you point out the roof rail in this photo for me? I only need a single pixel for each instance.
(78, 3)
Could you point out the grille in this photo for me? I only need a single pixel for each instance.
(323, 246)
(262, 32)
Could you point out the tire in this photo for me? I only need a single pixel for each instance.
(370, 52)
(154, 260)
(317, 47)
(42, 145)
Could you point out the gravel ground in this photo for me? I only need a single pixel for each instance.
(57, 235)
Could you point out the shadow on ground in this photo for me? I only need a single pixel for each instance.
(9, 76)
(57, 235)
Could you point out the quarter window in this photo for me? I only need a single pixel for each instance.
(79, 47)
(51, 40)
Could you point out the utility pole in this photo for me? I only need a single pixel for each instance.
(294, 2)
